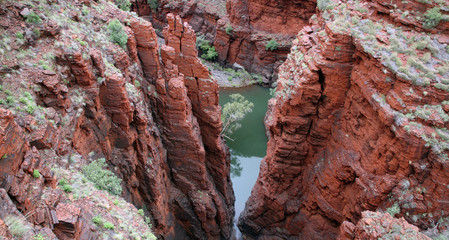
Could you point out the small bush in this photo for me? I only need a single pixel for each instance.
(271, 45)
(208, 52)
(36, 173)
(19, 35)
(37, 33)
(65, 186)
(39, 237)
(102, 178)
(125, 5)
(229, 30)
(140, 212)
(33, 18)
(393, 210)
(432, 17)
(98, 220)
(117, 34)
(108, 225)
(16, 226)
(325, 4)
(153, 5)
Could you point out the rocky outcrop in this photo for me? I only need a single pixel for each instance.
(347, 131)
(12, 147)
(240, 30)
(155, 118)
(375, 225)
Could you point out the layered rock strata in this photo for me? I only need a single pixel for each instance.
(359, 123)
(239, 30)
(155, 118)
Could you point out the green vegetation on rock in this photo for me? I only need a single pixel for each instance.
(117, 34)
(102, 178)
(208, 52)
(272, 45)
(123, 4)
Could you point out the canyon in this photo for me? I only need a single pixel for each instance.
(358, 137)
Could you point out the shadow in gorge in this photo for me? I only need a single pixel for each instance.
(249, 145)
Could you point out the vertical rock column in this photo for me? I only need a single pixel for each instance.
(202, 92)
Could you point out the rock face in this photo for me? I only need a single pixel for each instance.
(187, 108)
(154, 117)
(375, 225)
(251, 24)
(347, 131)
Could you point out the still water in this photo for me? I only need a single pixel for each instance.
(249, 145)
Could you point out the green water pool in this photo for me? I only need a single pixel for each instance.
(249, 145)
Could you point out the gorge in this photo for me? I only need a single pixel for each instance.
(106, 133)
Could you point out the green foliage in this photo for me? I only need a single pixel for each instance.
(19, 35)
(33, 18)
(325, 4)
(432, 17)
(123, 4)
(36, 173)
(108, 225)
(208, 52)
(98, 220)
(137, 83)
(117, 34)
(153, 5)
(115, 202)
(271, 45)
(16, 226)
(229, 30)
(393, 210)
(140, 212)
(37, 33)
(39, 237)
(233, 112)
(102, 178)
(65, 186)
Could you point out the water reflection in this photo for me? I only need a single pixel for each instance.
(236, 167)
(250, 144)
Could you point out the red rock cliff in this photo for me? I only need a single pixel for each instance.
(253, 24)
(155, 118)
(359, 123)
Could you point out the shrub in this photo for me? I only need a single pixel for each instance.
(102, 178)
(123, 4)
(36, 173)
(33, 18)
(39, 237)
(210, 55)
(208, 52)
(140, 212)
(65, 186)
(393, 210)
(19, 35)
(432, 17)
(271, 45)
(108, 225)
(229, 30)
(153, 5)
(16, 226)
(325, 4)
(117, 34)
(37, 33)
(98, 220)
(233, 112)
